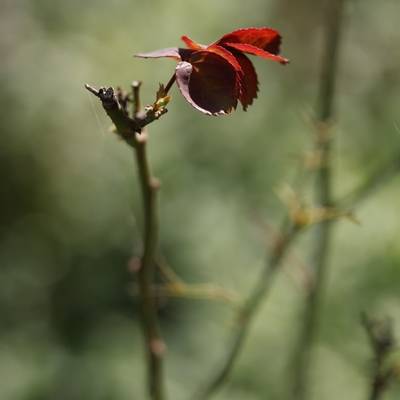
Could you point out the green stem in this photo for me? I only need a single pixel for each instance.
(129, 128)
(170, 83)
(154, 343)
(324, 197)
(372, 183)
(249, 310)
(382, 341)
(148, 303)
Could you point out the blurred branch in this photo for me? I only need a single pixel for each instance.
(298, 218)
(201, 291)
(372, 183)
(288, 233)
(174, 286)
(167, 272)
(129, 128)
(324, 198)
(177, 287)
(381, 337)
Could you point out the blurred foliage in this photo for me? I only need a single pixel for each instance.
(70, 207)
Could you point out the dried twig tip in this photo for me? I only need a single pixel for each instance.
(92, 90)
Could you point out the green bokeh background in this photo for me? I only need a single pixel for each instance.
(71, 212)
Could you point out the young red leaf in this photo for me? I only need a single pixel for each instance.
(213, 78)
(228, 56)
(191, 44)
(250, 49)
(171, 52)
(265, 38)
(250, 81)
(208, 83)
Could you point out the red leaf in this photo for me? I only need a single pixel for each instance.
(228, 56)
(264, 38)
(191, 44)
(213, 78)
(248, 48)
(208, 83)
(171, 52)
(250, 81)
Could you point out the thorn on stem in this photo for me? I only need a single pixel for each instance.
(141, 137)
(155, 183)
(134, 264)
(157, 347)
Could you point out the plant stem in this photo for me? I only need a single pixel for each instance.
(154, 343)
(131, 130)
(372, 183)
(382, 342)
(170, 83)
(149, 187)
(324, 197)
(249, 310)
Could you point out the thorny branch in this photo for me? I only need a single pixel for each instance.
(324, 196)
(126, 126)
(381, 338)
(372, 183)
(130, 128)
(247, 312)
